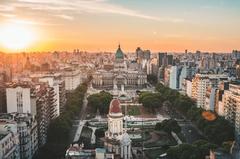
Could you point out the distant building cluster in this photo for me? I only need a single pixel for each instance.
(211, 79)
(34, 86)
(31, 95)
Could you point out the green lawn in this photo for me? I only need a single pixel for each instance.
(132, 110)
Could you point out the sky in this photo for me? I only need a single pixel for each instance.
(100, 25)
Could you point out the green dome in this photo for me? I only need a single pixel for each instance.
(119, 54)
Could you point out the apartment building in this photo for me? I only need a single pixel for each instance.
(38, 99)
(232, 107)
(9, 140)
(200, 84)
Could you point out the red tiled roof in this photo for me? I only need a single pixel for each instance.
(115, 106)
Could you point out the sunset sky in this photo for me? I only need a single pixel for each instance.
(99, 25)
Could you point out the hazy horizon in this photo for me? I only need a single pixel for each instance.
(99, 25)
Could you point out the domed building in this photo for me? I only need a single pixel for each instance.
(119, 64)
(119, 54)
(117, 141)
(120, 74)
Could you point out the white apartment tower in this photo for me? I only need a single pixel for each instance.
(19, 99)
(200, 83)
(232, 107)
(173, 82)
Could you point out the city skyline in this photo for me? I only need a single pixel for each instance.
(99, 25)
(119, 79)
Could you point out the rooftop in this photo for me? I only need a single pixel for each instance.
(115, 106)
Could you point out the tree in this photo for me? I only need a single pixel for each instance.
(184, 151)
(59, 128)
(100, 101)
(204, 147)
(105, 98)
(184, 103)
(99, 133)
(212, 129)
(151, 101)
(94, 102)
(168, 126)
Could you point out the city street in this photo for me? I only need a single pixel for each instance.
(79, 122)
(190, 132)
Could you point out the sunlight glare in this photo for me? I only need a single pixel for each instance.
(16, 36)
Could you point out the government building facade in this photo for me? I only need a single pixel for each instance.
(120, 74)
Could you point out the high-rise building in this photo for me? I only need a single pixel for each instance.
(182, 76)
(236, 54)
(169, 59)
(27, 132)
(55, 86)
(211, 98)
(166, 76)
(19, 99)
(40, 97)
(187, 87)
(238, 69)
(174, 80)
(72, 78)
(36, 99)
(3, 107)
(232, 107)
(55, 81)
(9, 140)
(141, 55)
(200, 83)
(162, 61)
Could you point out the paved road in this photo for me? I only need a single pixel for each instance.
(78, 124)
(190, 132)
(77, 121)
(79, 130)
(83, 113)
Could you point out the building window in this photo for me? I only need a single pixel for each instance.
(19, 102)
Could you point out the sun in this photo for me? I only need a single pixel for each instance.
(16, 36)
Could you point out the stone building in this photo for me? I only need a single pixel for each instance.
(121, 74)
(117, 140)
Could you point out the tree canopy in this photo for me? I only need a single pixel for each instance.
(168, 126)
(197, 150)
(151, 101)
(100, 101)
(59, 128)
(212, 129)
